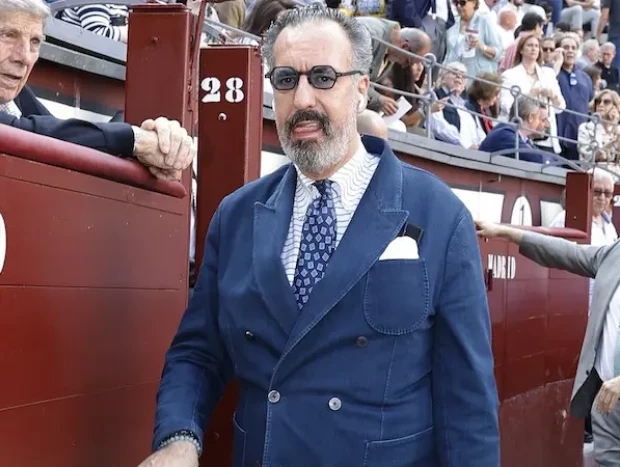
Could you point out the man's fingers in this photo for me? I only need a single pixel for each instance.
(163, 127)
(178, 138)
(184, 157)
(148, 124)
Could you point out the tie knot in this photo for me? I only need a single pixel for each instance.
(322, 186)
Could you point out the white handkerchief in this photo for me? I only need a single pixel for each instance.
(401, 248)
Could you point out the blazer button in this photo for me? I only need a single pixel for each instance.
(361, 342)
(335, 404)
(274, 397)
(249, 335)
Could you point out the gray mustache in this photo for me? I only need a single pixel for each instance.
(308, 116)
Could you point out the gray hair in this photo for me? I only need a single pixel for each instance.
(454, 67)
(600, 175)
(590, 44)
(36, 8)
(527, 107)
(608, 46)
(361, 42)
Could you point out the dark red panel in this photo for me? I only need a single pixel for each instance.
(59, 342)
(109, 428)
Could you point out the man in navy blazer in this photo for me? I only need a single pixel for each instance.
(503, 136)
(343, 291)
(161, 145)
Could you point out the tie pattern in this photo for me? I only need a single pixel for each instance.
(318, 242)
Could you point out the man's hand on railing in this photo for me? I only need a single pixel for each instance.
(439, 105)
(164, 147)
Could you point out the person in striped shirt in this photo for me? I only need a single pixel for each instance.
(104, 19)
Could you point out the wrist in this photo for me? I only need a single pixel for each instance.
(183, 442)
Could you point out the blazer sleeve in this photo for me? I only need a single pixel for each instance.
(465, 401)
(113, 138)
(552, 252)
(506, 99)
(197, 366)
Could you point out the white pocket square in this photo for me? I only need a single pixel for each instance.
(401, 248)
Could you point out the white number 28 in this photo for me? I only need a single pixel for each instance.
(234, 90)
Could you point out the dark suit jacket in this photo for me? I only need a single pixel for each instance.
(420, 391)
(502, 137)
(113, 138)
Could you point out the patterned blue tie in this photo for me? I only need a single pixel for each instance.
(318, 242)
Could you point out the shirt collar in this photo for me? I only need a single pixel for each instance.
(343, 180)
(11, 108)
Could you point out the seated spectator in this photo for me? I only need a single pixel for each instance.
(507, 20)
(552, 57)
(504, 136)
(532, 24)
(600, 142)
(162, 146)
(409, 39)
(536, 81)
(609, 73)
(572, 13)
(590, 53)
(548, 24)
(482, 98)
(473, 40)
(594, 73)
(104, 19)
(577, 91)
(451, 85)
(263, 15)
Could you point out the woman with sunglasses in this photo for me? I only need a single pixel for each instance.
(474, 40)
(600, 142)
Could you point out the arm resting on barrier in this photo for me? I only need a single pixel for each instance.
(116, 139)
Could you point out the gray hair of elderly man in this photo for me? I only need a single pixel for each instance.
(36, 8)
(608, 46)
(590, 44)
(600, 175)
(525, 107)
(361, 42)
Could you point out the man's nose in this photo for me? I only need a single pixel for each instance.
(305, 96)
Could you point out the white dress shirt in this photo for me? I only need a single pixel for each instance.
(349, 185)
(604, 363)
(11, 109)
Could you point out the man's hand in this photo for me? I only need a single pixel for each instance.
(608, 395)
(179, 454)
(169, 175)
(164, 144)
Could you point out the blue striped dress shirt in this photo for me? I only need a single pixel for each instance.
(349, 185)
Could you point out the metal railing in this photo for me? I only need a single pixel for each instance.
(430, 62)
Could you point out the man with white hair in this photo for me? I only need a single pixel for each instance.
(590, 53)
(161, 145)
(609, 73)
(343, 291)
(507, 20)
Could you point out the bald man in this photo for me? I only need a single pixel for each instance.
(371, 124)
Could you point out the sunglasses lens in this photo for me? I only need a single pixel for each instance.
(284, 78)
(322, 77)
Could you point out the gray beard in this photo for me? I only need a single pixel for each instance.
(315, 158)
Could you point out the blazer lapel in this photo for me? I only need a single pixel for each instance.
(271, 225)
(376, 222)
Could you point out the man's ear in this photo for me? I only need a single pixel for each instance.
(362, 89)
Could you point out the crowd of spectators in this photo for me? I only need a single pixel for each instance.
(559, 54)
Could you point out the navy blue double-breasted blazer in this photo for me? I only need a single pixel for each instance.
(389, 364)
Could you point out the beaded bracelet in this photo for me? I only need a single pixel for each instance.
(183, 435)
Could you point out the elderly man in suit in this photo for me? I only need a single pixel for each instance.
(161, 145)
(343, 291)
(597, 383)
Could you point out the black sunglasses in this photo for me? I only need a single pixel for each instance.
(285, 78)
(548, 49)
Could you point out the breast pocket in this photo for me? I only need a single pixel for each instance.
(397, 297)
